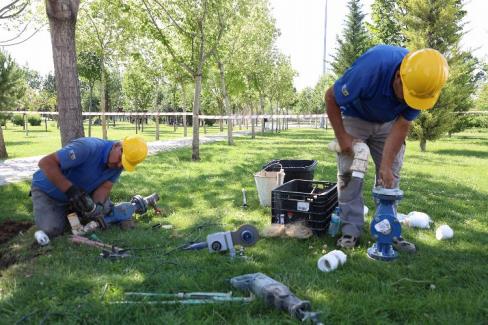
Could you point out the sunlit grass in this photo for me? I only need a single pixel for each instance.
(37, 141)
(445, 282)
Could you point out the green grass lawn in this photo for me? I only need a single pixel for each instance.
(39, 142)
(445, 282)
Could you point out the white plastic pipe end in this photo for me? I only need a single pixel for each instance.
(341, 256)
(444, 232)
(41, 237)
(331, 261)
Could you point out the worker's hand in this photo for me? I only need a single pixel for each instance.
(80, 200)
(386, 178)
(345, 143)
(98, 216)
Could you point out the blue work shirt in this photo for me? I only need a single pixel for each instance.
(84, 163)
(366, 88)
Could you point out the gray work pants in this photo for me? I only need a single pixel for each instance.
(350, 190)
(50, 214)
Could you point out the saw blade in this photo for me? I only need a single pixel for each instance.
(246, 235)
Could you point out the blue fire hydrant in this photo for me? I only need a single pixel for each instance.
(385, 227)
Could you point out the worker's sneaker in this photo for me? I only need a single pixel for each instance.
(347, 241)
(402, 245)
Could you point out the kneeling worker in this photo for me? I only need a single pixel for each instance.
(79, 177)
(374, 102)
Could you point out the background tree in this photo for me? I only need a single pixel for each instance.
(11, 90)
(255, 52)
(101, 31)
(439, 25)
(233, 18)
(33, 78)
(62, 16)
(285, 92)
(355, 39)
(190, 32)
(386, 27)
(138, 88)
(89, 68)
(482, 99)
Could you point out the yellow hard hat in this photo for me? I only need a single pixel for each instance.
(134, 150)
(423, 72)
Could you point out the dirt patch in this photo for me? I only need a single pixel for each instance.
(6, 260)
(11, 228)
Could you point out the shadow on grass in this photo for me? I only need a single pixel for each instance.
(462, 153)
(15, 143)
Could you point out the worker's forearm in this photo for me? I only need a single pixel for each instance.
(50, 166)
(394, 142)
(334, 113)
(102, 193)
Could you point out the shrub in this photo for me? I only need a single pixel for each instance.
(4, 117)
(34, 120)
(480, 121)
(210, 122)
(18, 120)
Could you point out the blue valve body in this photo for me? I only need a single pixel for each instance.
(385, 227)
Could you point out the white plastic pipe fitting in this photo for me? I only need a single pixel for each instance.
(41, 237)
(360, 162)
(331, 261)
(444, 232)
(416, 219)
(361, 154)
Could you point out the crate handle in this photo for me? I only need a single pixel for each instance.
(276, 163)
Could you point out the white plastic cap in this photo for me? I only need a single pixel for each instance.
(41, 237)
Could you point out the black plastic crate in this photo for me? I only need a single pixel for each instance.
(304, 196)
(294, 169)
(304, 200)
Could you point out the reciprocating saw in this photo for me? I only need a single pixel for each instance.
(276, 294)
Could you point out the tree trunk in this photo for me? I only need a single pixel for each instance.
(157, 126)
(3, 149)
(286, 119)
(196, 123)
(253, 128)
(89, 125)
(423, 144)
(103, 102)
(261, 106)
(185, 129)
(272, 119)
(230, 140)
(91, 97)
(62, 21)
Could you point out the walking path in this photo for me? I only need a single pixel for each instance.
(20, 169)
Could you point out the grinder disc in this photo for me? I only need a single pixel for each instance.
(246, 235)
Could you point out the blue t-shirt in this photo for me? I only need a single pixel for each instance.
(84, 162)
(366, 88)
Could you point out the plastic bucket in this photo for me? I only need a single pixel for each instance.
(265, 183)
